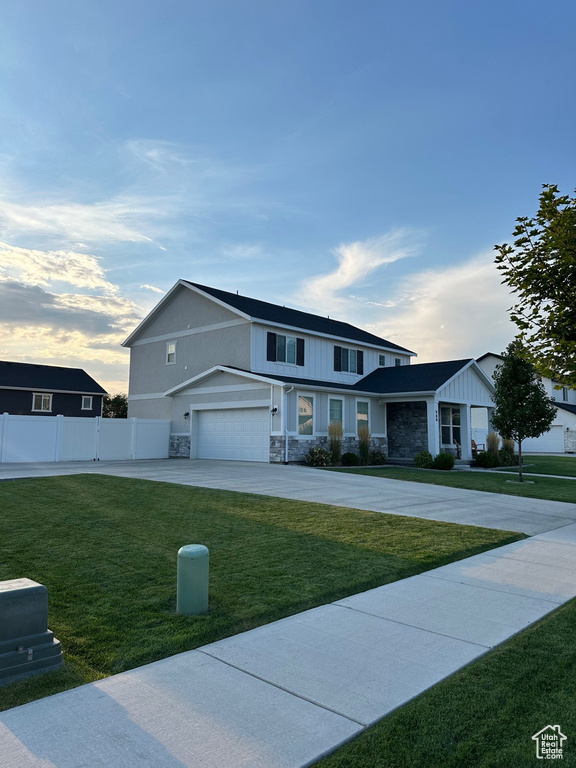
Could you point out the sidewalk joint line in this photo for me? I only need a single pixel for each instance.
(281, 688)
(414, 626)
(499, 591)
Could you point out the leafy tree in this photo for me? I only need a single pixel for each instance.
(541, 269)
(115, 407)
(523, 408)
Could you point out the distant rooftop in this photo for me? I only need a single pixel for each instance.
(50, 378)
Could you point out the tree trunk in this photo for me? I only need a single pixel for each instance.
(520, 480)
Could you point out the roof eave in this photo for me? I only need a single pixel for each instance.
(346, 339)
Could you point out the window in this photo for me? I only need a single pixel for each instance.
(450, 426)
(349, 360)
(397, 361)
(361, 414)
(41, 402)
(284, 349)
(335, 412)
(305, 415)
(565, 394)
(382, 360)
(86, 402)
(171, 353)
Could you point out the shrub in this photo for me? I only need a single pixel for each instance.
(492, 443)
(444, 460)
(423, 460)
(487, 460)
(350, 459)
(335, 434)
(318, 457)
(507, 457)
(364, 437)
(377, 457)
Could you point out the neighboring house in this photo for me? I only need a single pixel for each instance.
(243, 379)
(561, 437)
(47, 390)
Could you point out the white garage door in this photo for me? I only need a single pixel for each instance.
(236, 434)
(550, 442)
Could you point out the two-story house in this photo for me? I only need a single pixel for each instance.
(244, 379)
(561, 437)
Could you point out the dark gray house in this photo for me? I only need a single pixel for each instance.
(27, 389)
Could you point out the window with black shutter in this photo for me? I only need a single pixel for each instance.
(284, 349)
(271, 347)
(349, 360)
(337, 358)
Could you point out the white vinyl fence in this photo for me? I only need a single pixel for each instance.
(68, 438)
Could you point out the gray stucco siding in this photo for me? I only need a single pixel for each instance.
(194, 355)
(153, 408)
(186, 310)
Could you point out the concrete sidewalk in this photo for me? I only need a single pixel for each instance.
(284, 694)
(398, 497)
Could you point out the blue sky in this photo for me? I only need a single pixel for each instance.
(352, 159)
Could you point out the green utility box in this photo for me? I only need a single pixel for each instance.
(27, 647)
(192, 586)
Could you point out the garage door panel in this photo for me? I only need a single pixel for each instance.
(550, 442)
(235, 434)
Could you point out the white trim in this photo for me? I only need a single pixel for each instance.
(189, 332)
(230, 404)
(148, 396)
(45, 391)
(369, 414)
(168, 352)
(226, 388)
(42, 395)
(223, 369)
(341, 399)
(88, 407)
(305, 393)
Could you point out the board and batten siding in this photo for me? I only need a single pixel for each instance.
(466, 388)
(318, 357)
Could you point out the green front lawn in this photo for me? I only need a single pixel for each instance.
(538, 488)
(106, 549)
(485, 715)
(548, 465)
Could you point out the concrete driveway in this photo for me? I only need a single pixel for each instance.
(512, 513)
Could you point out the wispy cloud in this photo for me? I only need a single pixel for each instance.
(116, 220)
(356, 261)
(450, 313)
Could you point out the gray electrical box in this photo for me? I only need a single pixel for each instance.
(27, 647)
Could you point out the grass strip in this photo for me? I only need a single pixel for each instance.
(106, 549)
(547, 465)
(485, 715)
(552, 489)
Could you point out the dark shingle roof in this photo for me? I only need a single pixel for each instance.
(49, 378)
(423, 377)
(272, 313)
(570, 407)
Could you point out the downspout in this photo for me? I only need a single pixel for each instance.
(285, 412)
